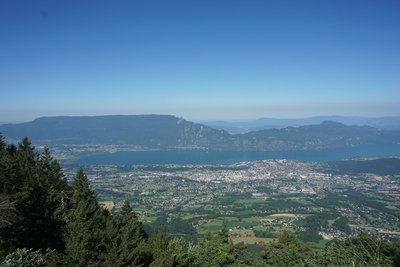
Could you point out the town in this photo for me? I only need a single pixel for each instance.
(256, 199)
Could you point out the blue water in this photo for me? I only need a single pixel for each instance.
(227, 157)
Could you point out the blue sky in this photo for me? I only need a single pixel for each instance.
(201, 60)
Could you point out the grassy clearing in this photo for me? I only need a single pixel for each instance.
(250, 201)
(151, 219)
(286, 215)
(247, 236)
(211, 226)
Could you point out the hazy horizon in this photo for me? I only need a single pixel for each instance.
(203, 61)
(197, 120)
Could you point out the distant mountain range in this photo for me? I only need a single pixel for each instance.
(169, 132)
(384, 123)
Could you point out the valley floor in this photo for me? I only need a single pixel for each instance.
(256, 199)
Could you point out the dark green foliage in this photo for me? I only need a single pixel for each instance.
(218, 250)
(367, 250)
(125, 239)
(7, 212)
(213, 252)
(288, 250)
(362, 250)
(157, 247)
(223, 233)
(40, 211)
(358, 197)
(52, 186)
(174, 226)
(159, 250)
(84, 236)
(393, 252)
(34, 184)
(264, 234)
(314, 224)
(342, 224)
(2, 144)
(180, 250)
(33, 258)
(81, 189)
(310, 235)
(94, 238)
(24, 258)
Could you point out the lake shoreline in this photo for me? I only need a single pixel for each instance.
(213, 157)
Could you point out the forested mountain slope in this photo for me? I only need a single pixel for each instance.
(169, 132)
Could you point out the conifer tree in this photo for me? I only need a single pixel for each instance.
(157, 247)
(126, 237)
(215, 250)
(81, 188)
(33, 183)
(223, 233)
(9, 182)
(7, 212)
(18, 168)
(26, 160)
(3, 172)
(85, 229)
(53, 186)
(2, 143)
(180, 251)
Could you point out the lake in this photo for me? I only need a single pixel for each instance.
(227, 157)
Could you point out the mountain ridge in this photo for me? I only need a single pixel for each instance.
(235, 127)
(170, 132)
